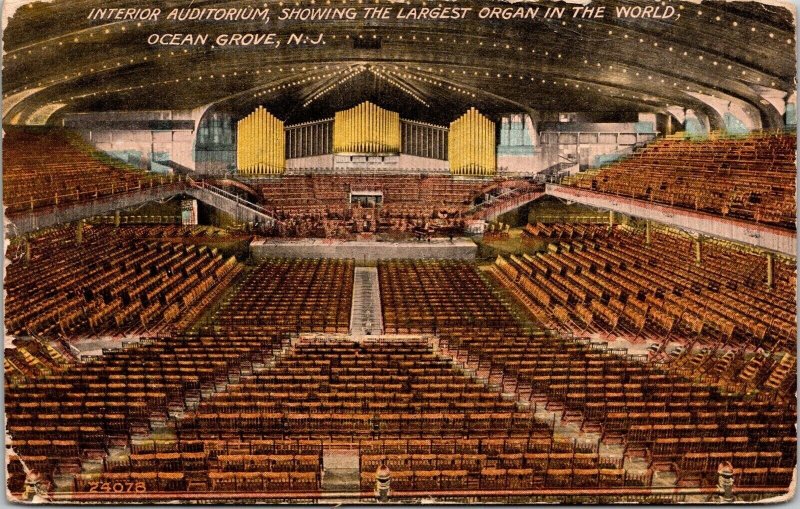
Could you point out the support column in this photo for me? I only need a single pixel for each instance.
(27, 252)
(116, 218)
(610, 218)
(770, 268)
(647, 237)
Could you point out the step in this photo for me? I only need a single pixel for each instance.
(340, 470)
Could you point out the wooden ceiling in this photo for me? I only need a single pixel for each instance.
(430, 70)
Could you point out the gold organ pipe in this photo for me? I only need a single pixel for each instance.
(368, 135)
(273, 156)
(266, 145)
(362, 122)
(268, 159)
(261, 143)
(250, 143)
(366, 128)
(267, 155)
(471, 145)
(247, 144)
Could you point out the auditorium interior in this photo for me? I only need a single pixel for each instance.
(485, 259)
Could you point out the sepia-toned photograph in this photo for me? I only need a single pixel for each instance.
(344, 252)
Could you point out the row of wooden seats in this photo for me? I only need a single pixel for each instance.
(127, 284)
(50, 167)
(260, 482)
(487, 446)
(293, 295)
(424, 296)
(561, 279)
(752, 178)
(473, 462)
(566, 231)
(138, 482)
(239, 482)
(508, 479)
(213, 448)
(727, 423)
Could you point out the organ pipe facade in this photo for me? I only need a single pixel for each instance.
(366, 129)
(471, 145)
(309, 139)
(260, 144)
(424, 140)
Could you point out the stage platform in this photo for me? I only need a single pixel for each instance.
(364, 250)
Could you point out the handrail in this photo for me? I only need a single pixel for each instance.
(512, 199)
(742, 223)
(48, 206)
(202, 184)
(515, 191)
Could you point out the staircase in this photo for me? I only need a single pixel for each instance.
(240, 208)
(366, 318)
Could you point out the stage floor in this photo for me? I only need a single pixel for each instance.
(364, 250)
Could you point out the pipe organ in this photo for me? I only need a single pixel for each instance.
(366, 129)
(471, 145)
(423, 140)
(260, 144)
(309, 139)
(263, 142)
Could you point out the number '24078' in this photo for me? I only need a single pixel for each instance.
(117, 487)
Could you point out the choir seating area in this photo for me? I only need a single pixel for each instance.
(750, 178)
(429, 193)
(98, 280)
(319, 205)
(50, 167)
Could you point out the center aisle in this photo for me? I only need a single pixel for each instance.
(365, 315)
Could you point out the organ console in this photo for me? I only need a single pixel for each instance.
(260, 144)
